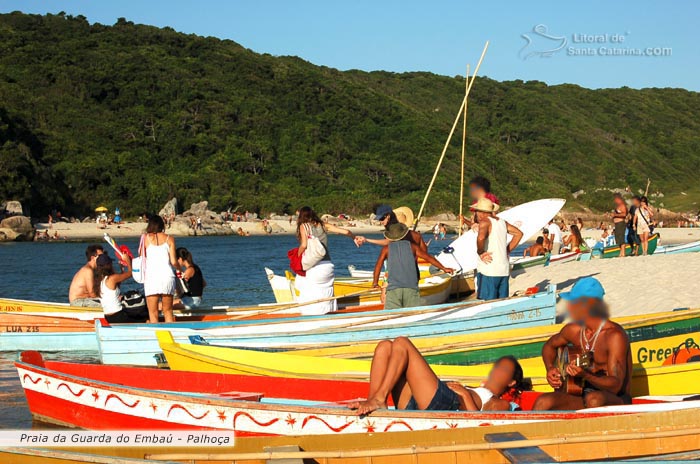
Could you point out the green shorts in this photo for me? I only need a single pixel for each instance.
(402, 298)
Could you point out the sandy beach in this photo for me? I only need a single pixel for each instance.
(633, 285)
(90, 231)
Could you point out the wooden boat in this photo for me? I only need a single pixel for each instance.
(614, 251)
(28, 325)
(522, 263)
(692, 247)
(128, 344)
(101, 397)
(351, 291)
(483, 348)
(678, 379)
(55, 456)
(650, 437)
(562, 258)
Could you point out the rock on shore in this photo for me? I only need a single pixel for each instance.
(16, 228)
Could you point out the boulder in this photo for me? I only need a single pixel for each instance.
(445, 217)
(170, 208)
(13, 208)
(18, 228)
(198, 209)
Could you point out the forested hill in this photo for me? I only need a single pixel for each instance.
(129, 115)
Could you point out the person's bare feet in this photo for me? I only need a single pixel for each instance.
(362, 408)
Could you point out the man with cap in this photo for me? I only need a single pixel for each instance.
(401, 255)
(387, 216)
(604, 343)
(493, 267)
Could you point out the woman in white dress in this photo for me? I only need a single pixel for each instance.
(643, 219)
(159, 282)
(319, 280)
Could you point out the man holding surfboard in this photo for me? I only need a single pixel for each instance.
(493, 248)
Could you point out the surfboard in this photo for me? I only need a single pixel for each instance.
(529, 217)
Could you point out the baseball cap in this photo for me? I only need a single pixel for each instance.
(103, 260)
(383, 210)
(588, 287)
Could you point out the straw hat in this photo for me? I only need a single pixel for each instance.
(405, 215)
(396, 232)
(485, 206)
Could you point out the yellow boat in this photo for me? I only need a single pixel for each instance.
(520, 342)
(435, 289)
(647, 380)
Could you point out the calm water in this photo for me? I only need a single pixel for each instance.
(232, 266)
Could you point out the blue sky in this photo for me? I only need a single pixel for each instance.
(441, 36)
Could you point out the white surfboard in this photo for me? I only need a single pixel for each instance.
(530, 218)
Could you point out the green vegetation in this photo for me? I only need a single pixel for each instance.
(130, 115)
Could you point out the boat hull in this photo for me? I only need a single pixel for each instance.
(614, 251)
(128, 345)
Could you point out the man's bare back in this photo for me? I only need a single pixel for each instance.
(82, 284)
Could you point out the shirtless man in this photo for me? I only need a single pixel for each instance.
(620, 220)
(81, 292)
(537, 249)
(607, 381)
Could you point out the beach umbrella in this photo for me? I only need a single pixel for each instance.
(101, 209)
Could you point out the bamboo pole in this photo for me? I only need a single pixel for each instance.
(464, 147)
(449, 138)
(418, 450)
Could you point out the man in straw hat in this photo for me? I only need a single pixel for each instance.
(401, 253)
(493, 268)
(387, 216)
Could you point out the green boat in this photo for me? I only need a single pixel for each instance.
(614, 251)
(687, 326)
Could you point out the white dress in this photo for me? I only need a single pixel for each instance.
(160, 278)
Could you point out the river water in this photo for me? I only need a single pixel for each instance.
(233, 267)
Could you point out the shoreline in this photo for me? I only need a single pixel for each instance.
(81, 232)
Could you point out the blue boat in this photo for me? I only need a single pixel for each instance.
(137, 345)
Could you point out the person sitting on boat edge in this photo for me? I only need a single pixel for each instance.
(604, 343)
(81, 291)
(398, 369)
(537, 249)
(401, 254)
(193, 279)
(107, 286)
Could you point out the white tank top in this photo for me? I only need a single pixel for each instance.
(497, 245)
(484, 395)
(109, 299)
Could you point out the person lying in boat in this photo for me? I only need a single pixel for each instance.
(398, 369)
(603, 344)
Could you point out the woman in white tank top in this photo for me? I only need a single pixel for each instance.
(107, 284)
(159, 282)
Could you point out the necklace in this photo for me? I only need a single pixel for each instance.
(590, 344)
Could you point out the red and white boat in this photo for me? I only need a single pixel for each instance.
(99, 397)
